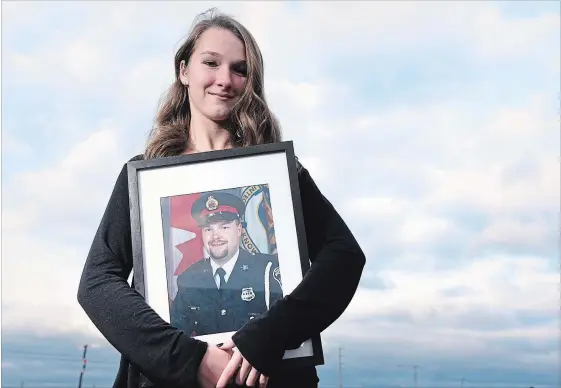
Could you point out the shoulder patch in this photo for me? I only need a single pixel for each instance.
(277, 276)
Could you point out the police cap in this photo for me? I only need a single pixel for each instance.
(217, 206)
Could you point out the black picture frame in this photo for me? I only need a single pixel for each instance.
(314, 355)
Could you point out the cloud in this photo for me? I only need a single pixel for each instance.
(56, 192)
(54, 268)
(49, 219)
(14, 147)
(457, 320)
(513, 231)
(494, 300)
(434, 130)
(8, 365)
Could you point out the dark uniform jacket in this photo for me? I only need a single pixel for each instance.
(154, 352)
(200, 308)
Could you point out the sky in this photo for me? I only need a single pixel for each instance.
(432, 127)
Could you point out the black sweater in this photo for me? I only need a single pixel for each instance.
(168, 357)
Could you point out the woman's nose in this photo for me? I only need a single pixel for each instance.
(224, 77)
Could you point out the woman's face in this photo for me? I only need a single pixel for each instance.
(216, 74)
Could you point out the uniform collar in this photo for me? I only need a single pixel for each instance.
(228, 267)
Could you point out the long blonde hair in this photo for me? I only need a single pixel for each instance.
(251, 120)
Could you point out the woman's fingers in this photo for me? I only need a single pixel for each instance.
(229, 371)
(243, 372)
(263, 380)
(252, 378)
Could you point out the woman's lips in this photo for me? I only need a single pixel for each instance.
(222, 96)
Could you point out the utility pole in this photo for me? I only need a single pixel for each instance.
(83, 366)
(340, 369)
(415, 367)
(462, 382)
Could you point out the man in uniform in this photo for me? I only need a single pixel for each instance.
(222, 292)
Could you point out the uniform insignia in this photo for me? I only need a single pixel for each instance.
(248, 294)
(258, 208)
(277, 276)
(211, 203)
(244, 267)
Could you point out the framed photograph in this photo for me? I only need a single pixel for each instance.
(218, 237)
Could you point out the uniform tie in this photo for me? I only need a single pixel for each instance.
(221, 273)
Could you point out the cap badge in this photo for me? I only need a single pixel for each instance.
(211, 203)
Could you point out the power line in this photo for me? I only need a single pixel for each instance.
(21, 356)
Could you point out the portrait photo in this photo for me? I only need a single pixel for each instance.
(218, 238)
(222, 266)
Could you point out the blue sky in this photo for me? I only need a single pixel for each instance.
(445, 114)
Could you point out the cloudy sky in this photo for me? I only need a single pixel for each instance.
(433, 127)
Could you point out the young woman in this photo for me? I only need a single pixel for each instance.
(216, 102)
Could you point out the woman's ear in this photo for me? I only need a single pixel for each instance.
(183, 73)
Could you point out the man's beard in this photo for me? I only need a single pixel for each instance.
(219, 252)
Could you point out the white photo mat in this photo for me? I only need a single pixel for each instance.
(156, 183)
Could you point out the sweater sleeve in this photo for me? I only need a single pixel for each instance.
(325, 292)
(163, 354)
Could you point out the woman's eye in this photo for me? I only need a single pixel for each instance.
(241, 70)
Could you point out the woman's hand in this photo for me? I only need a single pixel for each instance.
(247, 374)
(212, 365)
